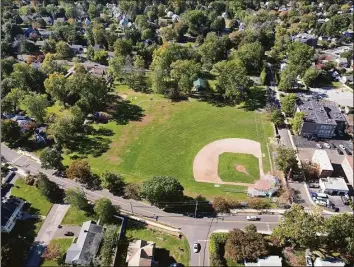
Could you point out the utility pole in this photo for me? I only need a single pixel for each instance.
(196, 208)
(131, 206)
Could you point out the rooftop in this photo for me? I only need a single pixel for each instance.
(328, 262)
(8, 207)
(334, 183)
(320, 112)
(273, 261)
(321, 158)
(140, 253)
(83, 251)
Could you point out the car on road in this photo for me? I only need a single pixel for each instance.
(319, 145)
(253, 218)
(196, 247)
(342, 147)
(340, 152)
(345, 200)
(69, 234)
(326, 145)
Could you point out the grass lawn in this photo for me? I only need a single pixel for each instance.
(64, 244)
(227, 167)
(38, 203)
(168, 137)
(167, 246)
(76, 217)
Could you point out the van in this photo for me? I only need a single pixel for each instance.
(322, 195)
(321, 203)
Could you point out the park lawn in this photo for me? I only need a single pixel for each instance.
(167, 246)
(64, 244)
(76, 217)
(227, 167)
(169, 136)
(38, 203)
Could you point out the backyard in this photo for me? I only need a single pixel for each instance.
(64, 244)
(153, 136)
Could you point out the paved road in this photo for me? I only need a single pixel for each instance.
(194, 229)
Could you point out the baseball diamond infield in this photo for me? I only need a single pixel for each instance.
(205, 164)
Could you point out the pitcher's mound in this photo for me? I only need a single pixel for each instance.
(241, 168)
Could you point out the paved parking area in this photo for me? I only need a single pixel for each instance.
(302, 142)
(307, 154)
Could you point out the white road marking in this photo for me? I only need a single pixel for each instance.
(203, 240)
(268, 226)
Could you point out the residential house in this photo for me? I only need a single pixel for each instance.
(84, 250)
(322, 119)
(320, 157)
(333, 186)
(264, 187)
(11, 211)
(305, 38)
(271, 261)
(77, 49)
(347, 166)
(141, 253)
(328, 262)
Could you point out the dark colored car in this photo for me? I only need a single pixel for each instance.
(69, 234)
(176, 264)
(340, 152)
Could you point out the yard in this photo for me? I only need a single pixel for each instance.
(38, 203)
(153, 136)
(168, 248)
(76, 217)
(242, 168)
(64, 244)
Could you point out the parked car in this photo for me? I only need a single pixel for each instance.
(196, 247)
(314, 185)
(347, 151)
(319, 145)
(321, 203)
(313, 194)
(253, 218)
(176, 264)
(340, 152)
(326, 145)
(69, 234)
(345, 200)
(342, 147)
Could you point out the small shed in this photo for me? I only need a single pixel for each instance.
(199, 85)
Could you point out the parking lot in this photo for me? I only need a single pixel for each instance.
(302, 142)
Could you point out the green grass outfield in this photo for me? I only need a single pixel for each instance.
(228, 172)
(168, 138)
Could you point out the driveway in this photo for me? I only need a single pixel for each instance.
(46, 234)
(60, 233)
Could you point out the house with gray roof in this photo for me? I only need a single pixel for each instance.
(322, 119)
(85, 249)
(11, 211)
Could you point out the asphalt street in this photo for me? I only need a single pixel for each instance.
(194, 229)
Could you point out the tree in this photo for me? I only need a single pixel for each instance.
(297, 122)
(299, 228)
(52, 251)
(197, 21)
(300, 56)
(63, 50)
(221, 205)
(27, 78)
(27, 47)
(100, 56)
(10, 132)
(185, 72)
(76, 198)
(50, 65)
(288, 104)
(55, 85)
(113, 182)
(286, 159)
(36, 104)
(48, 188)
(49, 46)
(51, 158)
(12, 100)
(251, 55)
(104, 210)
(160, 189)
(277, 117)
(248, 245)
(122, 47)
(310, 77)
(116, 65)
(233, 83)
(288, 78)
(218, 24)
(213, 50)
(80, 170)
(7, 66)
(258, 204)
(136, 78)
(109, 242)
(132, 190)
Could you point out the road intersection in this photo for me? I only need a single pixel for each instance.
(194, 229)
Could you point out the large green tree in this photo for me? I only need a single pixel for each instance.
(213, 50)
(79, 170)
(277, 117)
(251, 55)
(300, 56)
(55, 85)
(161, 190)
(48, 188)
(288, 78)
(288, 104)
(36, 105)
(51, 65)
(76, 198)
(286, 159)
(51, 158)
(10, 132)
(185, 72)
(297, 122)
(12, 100)
(105, 210)
(114, 182)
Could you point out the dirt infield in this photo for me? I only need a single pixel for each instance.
(205, 164)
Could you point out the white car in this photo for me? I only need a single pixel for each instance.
(196, 247)
(327, 145)
(319, 145)
(342, 147)
(252, 218)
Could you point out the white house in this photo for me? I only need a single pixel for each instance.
(273, 261)
(320, 157)
(333, 186)
(328, 262)
(11, 211)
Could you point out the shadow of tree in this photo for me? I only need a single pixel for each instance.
(163, 257)
(126, 111)
(256, 98)
(90, 145)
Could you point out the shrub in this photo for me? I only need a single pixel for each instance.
(257, 203)
(29, 180)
